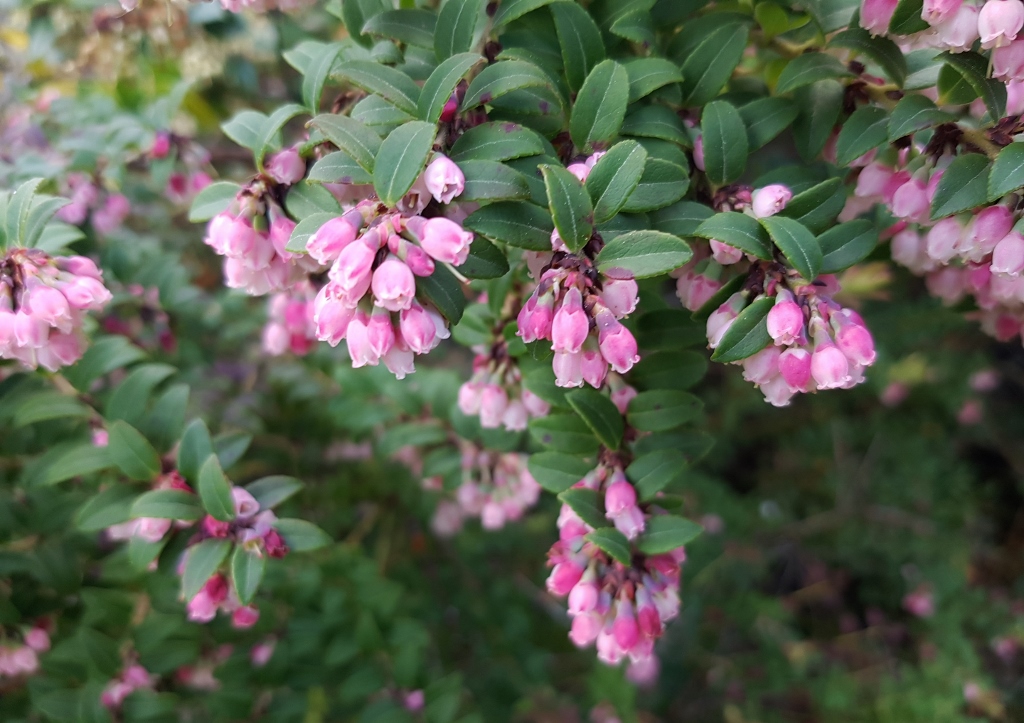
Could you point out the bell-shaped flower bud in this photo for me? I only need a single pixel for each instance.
(286, 166)
(418, 328)
(394, 285)
(999, 22)
(535, 318)
(876, 14)
(571, 325)
(568, 369)
(786, 320)
(380, 332)
(620, 295)
(444, 240)
(795, 368)
(1008, 255)
(769, 200)
(493, 403)
(330, 240)
(444, 179)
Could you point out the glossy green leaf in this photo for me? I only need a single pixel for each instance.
(796, 243)
(820, 104)
(565, 433)
(646, 75)
(747, 335)
(653, 472)
(501, 78)
(444, 291)
(906, 19)
(570, 206)
(975, 70)
(496, 141)
(665, 533)
(110, 507)
(273, 490)
(168, 505)
(848, 243)
(485, 261)
(339, 167)
(302, 536)
(316, 73)
(1007, 171)
(600, 107)
(614, 177)
(810, 68)
(708, 68)
(644, 253)
(201, 562)
(441, 84)
(600, 414)
(662, 184)
(194, 449)
(215, 490)
(914, 113)
(401, 158)
(213, 199)
(351, 136)
(515, 223)
(864, 131)
(580, 41)
(457, 26)
(132, 453)
(393, 85)
(682, 218)
(662, 409)
(739, 230)
(512, 9)
(655, 121)
(766, 118)
(880, 49)
(612, 542)
(246, 573)
(584, 502)
(305, 229)
(557, 472)
(964, 186)
(818, 206)
(410, 26)
(725, 142)
(492, 181)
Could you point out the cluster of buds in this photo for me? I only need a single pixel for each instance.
(109, 210)
(374, 259)
(43, 301)
(251, 529)
(148, 529)
(713, 265)
(817, 343)
(495, 486)
(133, 677)
(18, 660)
(290, 326)
(955, 25)
(621, 608)
(496, 394)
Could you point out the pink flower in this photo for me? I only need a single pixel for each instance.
(444, 179)
(286, 166)
(47, 305)
(911, 199)
(358, 341)
(786, 321)
(959, 31)
(829, 366)
(986, 229)
(769, 200)
(618, 346)
(795, 368)
(245, 504)
(876, 14)
(446, 241)
(493, 403)
(571, 325)
(535, 318)
(853, 338)
(625, 629)
(1008, 61)
(698, 152)
(1008, 256)
(937, 11)
(393, 284)
(580, 170)
(37, 639)
(515, 417)
(725, 254)
(763, 366)
(331, 316)
(943, 239)
(622, 396)
(418, 328)
(352, 269)
(330, 239)
(619, 496)
(999, 22)
(568, 369)
(620, 296)
(563, 577)
(872, 180)
(593, 367)
(723, 317)
(380, 332)
(245, 617)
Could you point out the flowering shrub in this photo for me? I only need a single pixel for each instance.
(540, 219)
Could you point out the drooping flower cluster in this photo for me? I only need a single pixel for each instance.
(496, 394)
(817, 343)
(43, 301)
(22, 659)
(495, 486)
(621, 608)
(290, 326)
(133, 677)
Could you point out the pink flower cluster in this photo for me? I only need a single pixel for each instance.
(133, 677)
(496, 394)
(290, 326)
(108, 210)
(43, 301)
(496, 487)
(621, 608)
(17, 660)
(817, 343)
(955, 25)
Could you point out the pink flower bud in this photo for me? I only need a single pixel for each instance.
(853, 338)
(563, 577)
(331, 317)
(274, 544)
(535, 318)
(620, 296)
(943, 239)
(959, 31)
(201, 608)
(286, 166)
(593, 367)
(161, 145)
(47, 305)
(571, 325)
(647, 614)
(618, 346)
(536, 406)
(698, 152)
(935, 12)
(630, 522)
(795, 368)
(358, 341)
(1008, 255)
(568, 369)
(725, 254)
(444, 179)
(493, 402)
(515, 417)
(261, 653)
(763, 366)
(244, 617)
(622, 396)
(829, 366)
(352, 269)
(786, 321)
(79, 266)
(876, 14)
(330, 239)
(723, 317)
(911, 200)
(393, 284)
(245, 504)
(137, 676)
(151, 529)
(112, 214)
(585, 629)
(873, 180)
(451, 107)
(580, 170)
(1008, 62)
(38, 640)
(380, 332)
(987, 229)
(212, 527)
(85, 292)
(999, 22)
(418, 260)
(625, 629)
(769, 200)
(446, 241)
(418, 328)
(619, 496)
(583, 597)
(414, 701)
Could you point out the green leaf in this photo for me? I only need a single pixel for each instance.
(600, 414)
(401, 158)
(646, 75)
(820, 104)
(302, 536)
(644, 253)
(796, 243)
(584, 503)
(844, 245)
(974, 69)
(39, 217)
(351, 136)
(613, 542)
(636, 26)
(273, 490)
(229, 447)
(355, 13)
(492, 181)
(246, 573)
(215, 490)
(110, 507)
(316, 73)
(863, 131)
(580, 41)
(964, 186)
(131, 453)
(339, 167)
(670, 370)
(46, 405)
(683, 218)
(515, 223)
(392, 85)
(168, 505)
(656, 121)
(710, 66)
(747, 335)
(201, 562)
(725, 142)
(600, 107)
(305, 229)
(410, 26)
(441, 84)
(306, 199)
(766, 118)
(378, 115)
(496, 142)
(1007, 171)
(666, 533)
(906, 19)
(68, 462)
(142, 553)
(103, 357)
(662, 183)
(271, 127)
(18, 208)
(662, 409)
(444, 291)
(614, 177)
(914, 113)
(739, 230)
(570, 206)
(810, 68)
(512, 9)
(131, 397)
(654, 471)
(882, 50)
(485, 261)
(817, 207)
(565, 433)
(194, 449)
(557, 472)
(457, 25)
(501, 78)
